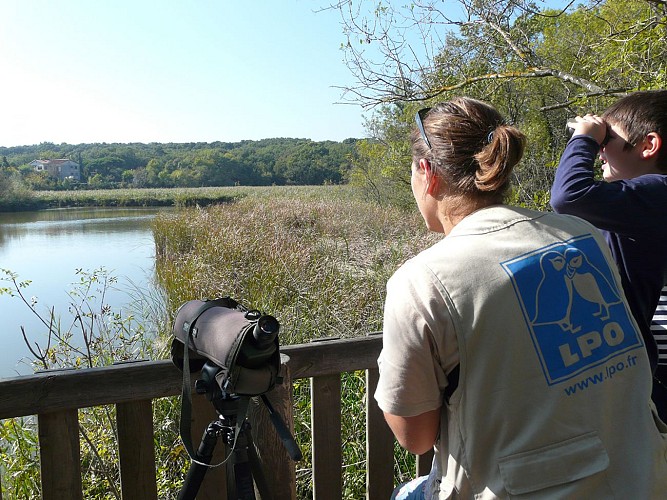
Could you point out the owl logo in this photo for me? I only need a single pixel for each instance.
(565, 276)
(590, 283)
(553, 298)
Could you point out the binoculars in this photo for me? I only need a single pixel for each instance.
(570, 131)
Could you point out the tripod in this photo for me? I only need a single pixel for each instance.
(244, 469)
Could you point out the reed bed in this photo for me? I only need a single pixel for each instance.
(179, 197)
(317, 261)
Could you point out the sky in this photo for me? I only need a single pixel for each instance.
(86, 71)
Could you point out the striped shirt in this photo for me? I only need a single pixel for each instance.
(659, 327)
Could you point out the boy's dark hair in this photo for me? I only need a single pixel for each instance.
(639, 114)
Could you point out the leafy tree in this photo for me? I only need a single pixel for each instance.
(14, 191)
(539, 66)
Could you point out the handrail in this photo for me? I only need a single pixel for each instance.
(56, 395)
(55, 390)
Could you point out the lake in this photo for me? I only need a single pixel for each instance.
(47, 247)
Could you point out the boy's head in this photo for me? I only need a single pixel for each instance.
(640, 114)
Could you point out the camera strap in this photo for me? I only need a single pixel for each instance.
(186, 392)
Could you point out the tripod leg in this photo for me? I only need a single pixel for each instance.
(243, 481)
(197, 471)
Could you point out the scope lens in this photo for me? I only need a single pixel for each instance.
(266, 331)
(268, 325)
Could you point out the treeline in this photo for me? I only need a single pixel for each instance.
(280, 161)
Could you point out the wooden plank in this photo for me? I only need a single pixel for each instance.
(331, 357)
(62, 389)
(136, 449)
(379, 445)
(56, 390)
(277, 467)
(60, 456)
(326, 436)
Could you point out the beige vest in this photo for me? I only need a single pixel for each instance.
(554, 391)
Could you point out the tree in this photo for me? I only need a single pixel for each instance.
(13, 190)
(538, 66)
(426, 49)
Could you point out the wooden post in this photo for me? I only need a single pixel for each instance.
(379, 445)
(424, 463)
(136, 450)
(60, 455)
(278, 468)
(327, 442)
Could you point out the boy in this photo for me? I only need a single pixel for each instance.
(630, 205)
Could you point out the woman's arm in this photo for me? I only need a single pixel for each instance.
(416, 434)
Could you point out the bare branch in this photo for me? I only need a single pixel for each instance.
(405, 54)
(579, 97)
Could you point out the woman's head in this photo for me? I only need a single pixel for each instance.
(469, 148)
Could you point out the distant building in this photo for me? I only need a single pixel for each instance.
(61, 169)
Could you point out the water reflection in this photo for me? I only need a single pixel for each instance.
(72, 221)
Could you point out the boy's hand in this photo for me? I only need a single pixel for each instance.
(590, 125)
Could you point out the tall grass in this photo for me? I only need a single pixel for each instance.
(318, 261)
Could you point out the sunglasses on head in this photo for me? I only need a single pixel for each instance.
(419, 118)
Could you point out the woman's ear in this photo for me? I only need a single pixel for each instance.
(651, 145)
(431, 184)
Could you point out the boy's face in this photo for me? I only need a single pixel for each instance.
(620, 159)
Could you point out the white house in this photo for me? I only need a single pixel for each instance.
(62, 169)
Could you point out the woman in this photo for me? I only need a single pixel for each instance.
(508, 346)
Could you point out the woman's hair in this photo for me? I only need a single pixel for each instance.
(640, 113)
(472, 149)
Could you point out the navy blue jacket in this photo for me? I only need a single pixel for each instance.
(632, 215)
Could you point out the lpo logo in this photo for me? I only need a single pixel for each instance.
(572, 307)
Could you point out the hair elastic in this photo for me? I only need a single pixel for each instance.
(489, 137)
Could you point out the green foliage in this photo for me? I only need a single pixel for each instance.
(19, 452)
(381, 166)
(14, 191)
(539, 68)
(246, 163)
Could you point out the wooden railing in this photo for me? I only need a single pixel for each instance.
(55, 397)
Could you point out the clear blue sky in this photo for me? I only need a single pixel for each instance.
(81, 71)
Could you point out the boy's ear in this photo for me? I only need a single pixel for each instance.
(651, 145)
